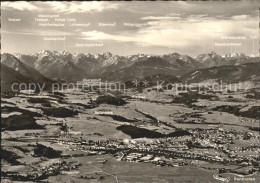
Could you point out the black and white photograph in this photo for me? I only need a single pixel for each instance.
(130, 91)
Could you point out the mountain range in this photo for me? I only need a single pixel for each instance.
(13, 63)
(225, 73)
(48, 65)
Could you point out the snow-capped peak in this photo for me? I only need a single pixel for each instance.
(46, 52)
(107, 54)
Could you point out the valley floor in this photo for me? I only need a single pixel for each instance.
(153, 138)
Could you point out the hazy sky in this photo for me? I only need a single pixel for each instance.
(131, 27)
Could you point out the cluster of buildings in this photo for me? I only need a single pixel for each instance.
(204, 145)
(45, 170)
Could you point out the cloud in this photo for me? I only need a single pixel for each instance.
(192, 26)
(81, 7)
(240, 17)
(159, 18)
(96, 35)
(148, 38)
(179, 17)
(64, 7)
(19, 5)
(39, 33)
(178, 34)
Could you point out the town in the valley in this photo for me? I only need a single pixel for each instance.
(111, 135)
